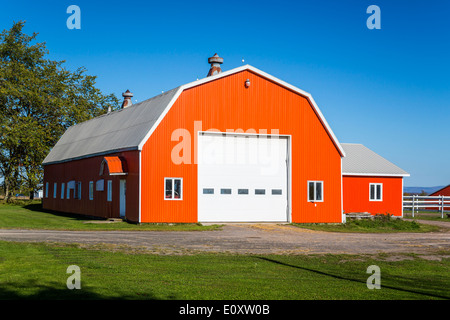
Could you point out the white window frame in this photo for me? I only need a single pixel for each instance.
(173, 189)
(375, 191)
(109, 191)
(62, 190)
(315, 190)
(55, 190)
(46, 189)
(91, 190)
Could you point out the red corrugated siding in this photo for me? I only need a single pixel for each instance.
(226, 104)
(84, 171)
(356, 195)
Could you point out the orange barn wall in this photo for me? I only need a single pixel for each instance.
(86, 170)
(356, 195)
(226, 104)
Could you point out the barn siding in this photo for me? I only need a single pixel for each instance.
(442, 192)
(224, 104)
(356, 195)
(86, 170)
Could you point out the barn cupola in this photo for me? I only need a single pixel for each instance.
(215, 62)
(127, 95)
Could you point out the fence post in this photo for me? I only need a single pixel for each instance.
(413, 206)
(442, 207)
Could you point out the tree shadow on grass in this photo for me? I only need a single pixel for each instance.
(339, 277)
(37, 207)
(33, 290)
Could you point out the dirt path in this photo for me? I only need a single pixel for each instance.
(246, 238)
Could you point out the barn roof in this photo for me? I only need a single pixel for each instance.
(129, 128)
(119, 130)
(360, 160)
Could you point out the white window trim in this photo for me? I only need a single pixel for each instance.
(315, 182)
(376, 184)
(109, 191)
(91, 190)
(173, 189)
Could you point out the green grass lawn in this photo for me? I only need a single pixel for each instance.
(32, 216)
(384, 225)
(427, 215)
(38, 271)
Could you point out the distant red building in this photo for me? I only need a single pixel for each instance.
(441, 192)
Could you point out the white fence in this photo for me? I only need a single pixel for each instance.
(436, 203)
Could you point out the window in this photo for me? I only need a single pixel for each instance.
(109, 196)
(55, 188)
(173, 188)
(208, 191)
(260, 191)
(315, 191)
(46, 189)
(91, 190)
(77, 192)
(62, 190)
(225, 191)
(276, 192)
(242, 191)
(376, 192)
(68, 191)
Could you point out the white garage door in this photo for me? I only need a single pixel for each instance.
(242, 178)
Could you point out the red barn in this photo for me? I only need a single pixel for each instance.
(445, 191)
(236, 146)
(441, 192)
(371, 183)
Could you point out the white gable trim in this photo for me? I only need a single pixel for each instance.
(236, 70)
(376, 174)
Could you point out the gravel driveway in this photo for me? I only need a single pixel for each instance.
(246, 238)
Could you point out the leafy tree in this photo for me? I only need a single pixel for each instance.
(39, 100)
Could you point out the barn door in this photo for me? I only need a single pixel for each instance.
(122, 195)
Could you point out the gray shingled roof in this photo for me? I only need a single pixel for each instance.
(117, 131)
(361, 160)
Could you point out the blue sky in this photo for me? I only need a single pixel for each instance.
(388, 89)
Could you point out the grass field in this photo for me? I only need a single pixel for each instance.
(38, 271)
(31, 216)
(384, 224)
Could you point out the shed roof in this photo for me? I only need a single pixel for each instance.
(129, 128)
(360, 160)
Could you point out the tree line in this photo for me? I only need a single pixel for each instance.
(39, 100)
